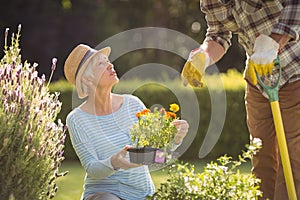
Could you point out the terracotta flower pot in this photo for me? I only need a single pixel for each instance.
(147, 155)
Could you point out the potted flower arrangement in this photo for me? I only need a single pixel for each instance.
(152, 135)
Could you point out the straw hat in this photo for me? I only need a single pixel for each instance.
(77, 62)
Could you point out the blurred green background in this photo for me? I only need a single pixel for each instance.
(52, 28)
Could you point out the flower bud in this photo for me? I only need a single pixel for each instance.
(54, 61)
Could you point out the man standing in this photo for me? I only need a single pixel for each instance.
(266, 29)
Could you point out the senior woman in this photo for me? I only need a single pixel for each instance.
(99, 129)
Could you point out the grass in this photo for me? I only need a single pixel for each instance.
(70, 187)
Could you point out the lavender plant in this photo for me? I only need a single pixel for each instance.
(31, 141)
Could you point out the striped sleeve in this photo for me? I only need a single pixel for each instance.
(136, 102)
(94, 168)
(135, 105)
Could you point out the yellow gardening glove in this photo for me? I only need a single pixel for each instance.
(194, 68)
(262, 60)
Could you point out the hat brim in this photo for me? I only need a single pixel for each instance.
(78, 84)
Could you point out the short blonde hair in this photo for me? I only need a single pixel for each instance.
(88, 72)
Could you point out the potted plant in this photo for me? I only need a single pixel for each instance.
(152, 135)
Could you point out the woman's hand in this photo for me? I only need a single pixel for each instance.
(119, 160)
(182, 127)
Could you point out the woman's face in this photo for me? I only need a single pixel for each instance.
(104, 72)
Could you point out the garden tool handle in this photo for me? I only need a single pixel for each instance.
(272, 92)
(283, 150)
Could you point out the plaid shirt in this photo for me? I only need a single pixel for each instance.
(250, 18)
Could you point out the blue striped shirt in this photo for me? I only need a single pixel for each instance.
(96, 138)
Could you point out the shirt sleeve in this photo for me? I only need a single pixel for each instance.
(216, 31)
(136, 105)
(289, 20)
(94, 167)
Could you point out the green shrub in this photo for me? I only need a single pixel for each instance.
(31, 143)
(219, 180)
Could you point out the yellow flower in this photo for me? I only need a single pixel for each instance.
(145, 143)
(174, 107)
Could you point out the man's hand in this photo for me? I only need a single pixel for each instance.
(262, 60)
(194, 68)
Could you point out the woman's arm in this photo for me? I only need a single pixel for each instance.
(94, 167)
